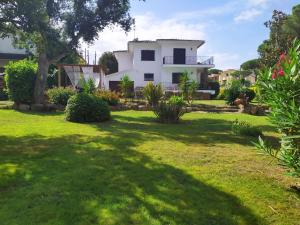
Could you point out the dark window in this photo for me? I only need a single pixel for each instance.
(2, 69)
(148, 55)
(176, 78)
(148, 77)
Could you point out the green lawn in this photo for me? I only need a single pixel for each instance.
(210, 102)
(135, 171)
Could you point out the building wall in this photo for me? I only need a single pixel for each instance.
(124, 60)
(6, 46)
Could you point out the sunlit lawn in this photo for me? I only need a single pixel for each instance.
(133, 170)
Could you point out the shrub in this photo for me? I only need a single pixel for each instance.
(126, 86)
(279, 89)
(245, 129)
(111, 97)
(20, 80)
(214, 85)
(250, 94)
(88, 86)
(83, 107)
(232, 91)
(187, 86)
(221, 94)
(60, 96)
(153, 93)
(170, 111)
(3, 95)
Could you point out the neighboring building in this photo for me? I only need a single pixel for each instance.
(226, 76)
(161, 61)
(8, 53)
(251, 78)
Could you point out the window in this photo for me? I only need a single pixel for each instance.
(148, 55)
(2, 69)
(148, 77)
(176, 78)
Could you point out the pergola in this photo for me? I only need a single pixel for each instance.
(76, 71)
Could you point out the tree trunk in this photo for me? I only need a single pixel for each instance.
(41, 80)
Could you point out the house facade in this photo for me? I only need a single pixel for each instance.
(161, 61)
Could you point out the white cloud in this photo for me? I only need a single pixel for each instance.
(148, 27)
(247, 15)
(261, 3)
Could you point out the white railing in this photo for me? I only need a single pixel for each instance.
(189, 60)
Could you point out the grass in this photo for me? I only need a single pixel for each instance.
(135, 171)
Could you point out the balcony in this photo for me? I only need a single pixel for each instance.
(193, 61)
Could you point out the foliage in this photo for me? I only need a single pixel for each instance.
(236, 89)
(111, 97)
(214, 71)
(187, 86)
(170, 111)
(126, 86)
(3, 94)
(279, 41)
(214, 85)
(83, 107)
(87, 86)
(245, 129)
(221, 94)
(292, 23)
(251, 65)
(232, 91)
(279, 88)
(153, 93)
(20, 77)
(60, 95)
(54, 28)
(109, 63)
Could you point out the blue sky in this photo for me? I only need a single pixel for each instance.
(232, 29)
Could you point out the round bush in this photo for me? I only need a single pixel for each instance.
(250, 93)
(60, 96)
(83, 107)
(20, 79)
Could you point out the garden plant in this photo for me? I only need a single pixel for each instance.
(279, 89)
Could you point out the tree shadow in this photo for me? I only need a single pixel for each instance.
(79, 179)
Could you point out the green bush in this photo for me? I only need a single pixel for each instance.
(83, 107)
(232, 91)
(250, 94)
(111, 97)
(20, 80)
(221, 95)
(60, 96)
(245, 129)
(170, 111)
(279, 89)
(3, 95)
(214, 85)
(153, 93)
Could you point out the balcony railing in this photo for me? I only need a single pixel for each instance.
(189, 60)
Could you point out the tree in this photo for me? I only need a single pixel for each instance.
(252, 65)
(188, 87)
(54, 28)
(126, 86)
(278, 42)
(292, 23)
(109, 63)
(214, 71)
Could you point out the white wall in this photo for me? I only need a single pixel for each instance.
(6, 46)
(124, 60)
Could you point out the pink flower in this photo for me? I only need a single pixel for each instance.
(282, 57)
(281, 72)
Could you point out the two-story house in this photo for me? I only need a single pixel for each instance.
(161, 61)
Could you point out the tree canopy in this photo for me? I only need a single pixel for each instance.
(252, 64)
(109, 63)
(214, 71)
(53, 28)
(292, 23)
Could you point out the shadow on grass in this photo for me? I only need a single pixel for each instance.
(102, 180)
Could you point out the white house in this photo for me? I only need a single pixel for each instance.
(161, 61)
